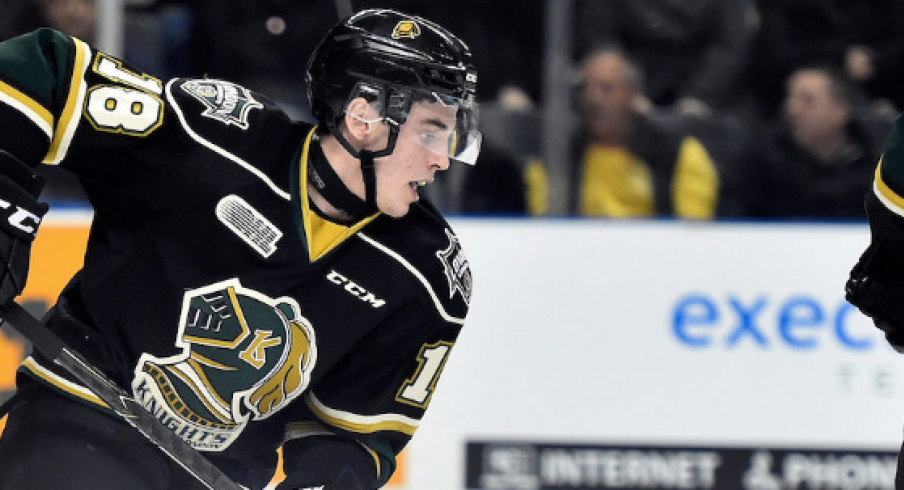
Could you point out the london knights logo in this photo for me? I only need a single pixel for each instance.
(455, 265)
(243, 356)
(224, 101)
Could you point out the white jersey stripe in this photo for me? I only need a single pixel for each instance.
(361, 423)
(40, 116)
(72, 113)
(887, 202)
(61, 383)
(218, 150)
(886, 196)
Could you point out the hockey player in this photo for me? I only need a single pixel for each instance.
(876, 283)
(253, 281)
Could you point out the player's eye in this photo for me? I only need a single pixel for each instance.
(427, 137)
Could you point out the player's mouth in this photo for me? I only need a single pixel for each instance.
(414, 185)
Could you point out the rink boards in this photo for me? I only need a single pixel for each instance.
(639, 355)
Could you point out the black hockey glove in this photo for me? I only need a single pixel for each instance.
(327, 462)
(876, 287)
(345, 481)
(20, 215)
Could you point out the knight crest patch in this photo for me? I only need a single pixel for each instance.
(455, 265)
(224, 101)
(242, 356)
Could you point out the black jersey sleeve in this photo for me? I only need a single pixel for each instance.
(41, 75)
(136, 143)
(64, 103)
(379, 397)
(322, 458)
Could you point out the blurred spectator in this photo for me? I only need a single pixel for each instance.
(264, 44)
(157, 36)
(495, 185)
(625, 162)
(691, 51)
(864, 39)
(819, 157)
(74, 17)
(154, 32)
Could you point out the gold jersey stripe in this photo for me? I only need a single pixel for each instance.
(892, 200)
(71, 115)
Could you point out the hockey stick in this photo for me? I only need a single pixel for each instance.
(126, 407)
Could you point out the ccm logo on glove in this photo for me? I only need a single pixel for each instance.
(21, 219)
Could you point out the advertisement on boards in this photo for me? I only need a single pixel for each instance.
(728, 336)
(500, 465)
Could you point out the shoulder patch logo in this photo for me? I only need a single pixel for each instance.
(455, 264)
(225, 101)
(249, 224)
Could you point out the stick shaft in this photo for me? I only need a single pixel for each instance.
(49, 344)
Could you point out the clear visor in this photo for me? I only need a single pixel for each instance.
(446, 126)
(442, 124)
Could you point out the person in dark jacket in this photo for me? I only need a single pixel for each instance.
(819, 157)
(691, 51)
(864, 39)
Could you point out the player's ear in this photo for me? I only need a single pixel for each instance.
(358, 117)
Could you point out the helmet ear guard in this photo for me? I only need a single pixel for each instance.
(391, 105)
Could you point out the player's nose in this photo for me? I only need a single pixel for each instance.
(438, 162)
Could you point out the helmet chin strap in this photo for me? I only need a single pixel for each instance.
(328, 183)
(367, 157)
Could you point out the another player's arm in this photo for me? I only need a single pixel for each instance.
(876, 282)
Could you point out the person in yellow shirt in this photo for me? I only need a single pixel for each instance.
(625, 163)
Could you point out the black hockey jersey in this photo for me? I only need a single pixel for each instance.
(210, 288)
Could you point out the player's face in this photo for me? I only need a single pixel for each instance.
(420, 151)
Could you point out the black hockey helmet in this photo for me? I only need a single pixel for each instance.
(394, 59)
